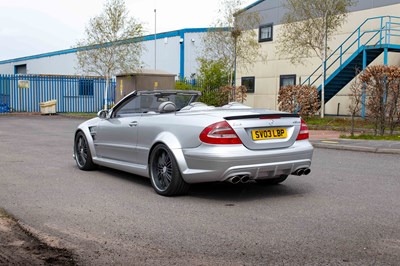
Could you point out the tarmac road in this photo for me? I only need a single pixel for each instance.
(346, 212)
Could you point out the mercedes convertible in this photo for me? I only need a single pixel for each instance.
(171, 138)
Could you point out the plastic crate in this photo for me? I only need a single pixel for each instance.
(48, 107)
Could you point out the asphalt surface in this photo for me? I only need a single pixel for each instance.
(346, 212)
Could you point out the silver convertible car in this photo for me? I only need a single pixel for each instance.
(176, 141)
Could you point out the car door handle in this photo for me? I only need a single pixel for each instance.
(133, 124)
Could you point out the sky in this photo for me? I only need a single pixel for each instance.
(30, 27)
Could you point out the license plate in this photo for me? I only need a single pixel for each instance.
(269, 133)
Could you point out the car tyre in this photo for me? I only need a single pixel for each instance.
(165, 176)
(272, 181)
(83, 156)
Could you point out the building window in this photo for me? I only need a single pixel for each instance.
(86, 87)
(286, 80)
(249, 83)
(265, 33)
(20, 69)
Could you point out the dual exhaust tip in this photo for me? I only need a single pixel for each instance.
(302, 171)
(246, 178)
(239, 178)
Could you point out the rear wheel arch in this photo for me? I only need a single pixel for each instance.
(164, 172)
(176, 152)
(168, 139)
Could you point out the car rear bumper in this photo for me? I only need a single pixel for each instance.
(211, 163)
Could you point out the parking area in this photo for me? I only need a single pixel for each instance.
(346, 212)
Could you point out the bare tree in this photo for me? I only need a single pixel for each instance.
(232, 38)
(308, 24)
(109, 47)
(356, 92)
(307, 27)
(393, 98)
(383, 105)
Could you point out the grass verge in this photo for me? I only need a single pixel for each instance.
(371, 137)
(363, 128)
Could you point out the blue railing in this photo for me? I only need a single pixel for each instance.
(24, 93)
(375, 32)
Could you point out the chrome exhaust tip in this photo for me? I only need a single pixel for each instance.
(245, 179)
(298, 172)
(307, 171)
(302, 171)
(235, 179)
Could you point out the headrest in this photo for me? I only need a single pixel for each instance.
(166, 107)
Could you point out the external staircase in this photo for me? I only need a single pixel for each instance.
(375, 36)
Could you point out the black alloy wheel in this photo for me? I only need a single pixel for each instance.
(83, 157)
(165, 176)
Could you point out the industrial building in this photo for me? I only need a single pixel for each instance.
(174, 52)
(369, 35)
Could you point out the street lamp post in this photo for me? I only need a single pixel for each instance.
(155, 38)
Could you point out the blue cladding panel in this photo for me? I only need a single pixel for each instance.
(67, 90)
(182, 56)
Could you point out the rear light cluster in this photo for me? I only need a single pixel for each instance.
(219, 133)
(303, 134)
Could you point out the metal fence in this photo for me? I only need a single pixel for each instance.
(24, 93)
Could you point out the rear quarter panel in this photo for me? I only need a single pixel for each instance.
(177, 131)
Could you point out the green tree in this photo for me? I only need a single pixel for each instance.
(107, 48)
(213, 74)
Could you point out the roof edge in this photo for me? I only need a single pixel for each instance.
(248, 7)
(150, 37)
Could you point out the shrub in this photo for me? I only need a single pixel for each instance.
(383, 104)
(301, 99)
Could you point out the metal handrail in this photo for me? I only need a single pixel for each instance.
(354, 41)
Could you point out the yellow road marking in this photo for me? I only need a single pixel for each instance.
(330, 141)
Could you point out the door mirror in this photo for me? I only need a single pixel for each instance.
(102, 114)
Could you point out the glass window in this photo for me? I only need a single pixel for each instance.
(286, 80)
(149, 101)
(249, 83)
(86, 87)
(265, 33)
(129, 107)
(20, 69)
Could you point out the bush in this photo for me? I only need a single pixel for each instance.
(382, 85)
(301, 99)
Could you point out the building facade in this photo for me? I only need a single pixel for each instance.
(372, 27)
(369, 35)
(174, 52)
